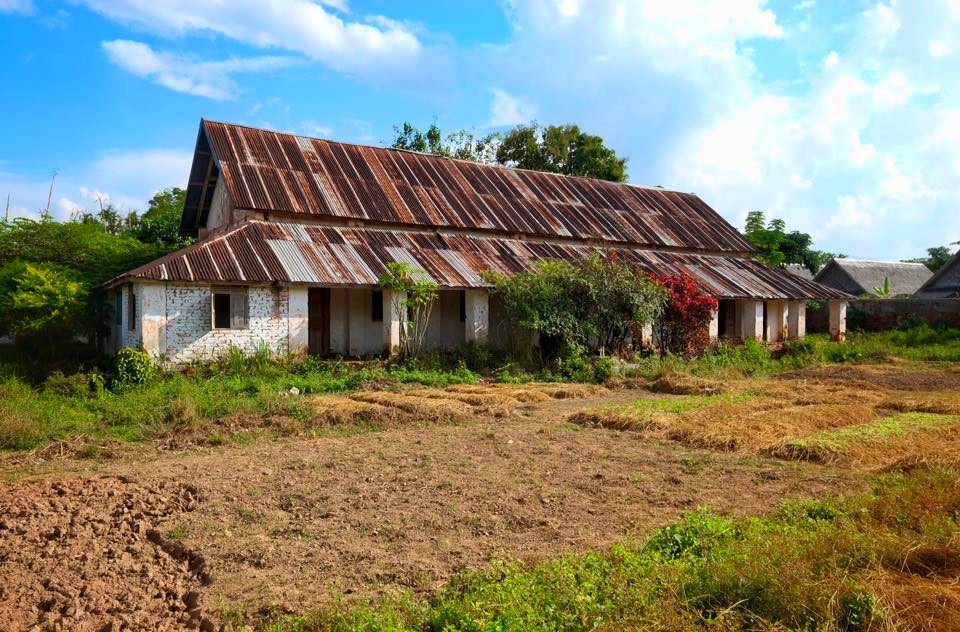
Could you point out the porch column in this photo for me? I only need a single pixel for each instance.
(153, 319)
(477, 324)
(393, 308)
(713, 327)
(298, 332)
(796, 320)
(838, 320)
(751, 319)
(646, 335)
(776, 321)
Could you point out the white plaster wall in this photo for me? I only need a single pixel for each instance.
(190, 335)
(130, 336)
(298, 335)
(366, 335)
(445, 330)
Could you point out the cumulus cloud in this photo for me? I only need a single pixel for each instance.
(507, 110)
(126, 179)
(301, 26)
(16, 6)
(211, 79)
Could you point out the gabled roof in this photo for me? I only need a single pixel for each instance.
(259, 252)
(280, 173)
(905, 278)
(799, 270)
(945, 282)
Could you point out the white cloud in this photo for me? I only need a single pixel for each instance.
(507, 110)
(211, 79)
(832, 60)
(939, 50)
(317, 130)
(870, 145)
(301, 26)
(127, 179)
(16, 6)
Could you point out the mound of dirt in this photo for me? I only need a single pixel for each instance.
(87, 554)
(683, 384)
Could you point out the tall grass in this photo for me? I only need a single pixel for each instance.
(238, 385)
(810, 566)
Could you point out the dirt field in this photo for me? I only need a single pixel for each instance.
(161, 538)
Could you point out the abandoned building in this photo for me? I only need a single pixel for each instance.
(945, 283)
(294, 234)
(859, 276)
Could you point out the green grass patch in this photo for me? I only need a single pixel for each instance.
(809, 566)
(65, 407)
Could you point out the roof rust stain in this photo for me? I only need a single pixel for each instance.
(266, 252)
(281, 173)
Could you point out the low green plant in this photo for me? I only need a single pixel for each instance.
(133, 367)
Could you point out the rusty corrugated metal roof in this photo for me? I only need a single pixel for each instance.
(281, 173)
(266, 252)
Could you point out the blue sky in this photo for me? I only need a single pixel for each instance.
(841, 117)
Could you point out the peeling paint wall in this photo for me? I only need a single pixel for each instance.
(190, 335)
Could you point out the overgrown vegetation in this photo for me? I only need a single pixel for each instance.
(48, 268)
(412, 293)
(832, 565)
(593, 304)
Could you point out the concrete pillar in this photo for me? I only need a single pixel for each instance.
(776, 321)
(751, 319)
(358, 314)
(796, 320)
(477, 324)
(646, 335)
(394, 308)
(298, 326)
(153, 318)
(713, 327)
(838, 320)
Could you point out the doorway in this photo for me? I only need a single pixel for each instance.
(318, 320)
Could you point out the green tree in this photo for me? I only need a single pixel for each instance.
(561, 149)
(776, 247)
(936, 258)
(553, 148)
(161, 223)
(40, 298)
(464, 144)
(412, 293)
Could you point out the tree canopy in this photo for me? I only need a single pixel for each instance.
(552, 148)
(776, 247)
(936, 258)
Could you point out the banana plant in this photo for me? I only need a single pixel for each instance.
(884, 291)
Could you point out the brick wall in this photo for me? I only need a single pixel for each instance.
(190, 335)
(885, 314)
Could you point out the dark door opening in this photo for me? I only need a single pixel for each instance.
(727, 315)
(318, 320)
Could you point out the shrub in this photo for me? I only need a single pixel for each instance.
(683, 327)
(592, 304)
(75, 385)
(133, 367)
(604, 368)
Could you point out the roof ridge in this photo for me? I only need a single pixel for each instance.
(496, 165)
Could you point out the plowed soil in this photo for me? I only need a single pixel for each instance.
(161, 539)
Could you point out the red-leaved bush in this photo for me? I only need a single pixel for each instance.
(683, 326)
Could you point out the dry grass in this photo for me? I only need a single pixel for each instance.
(917, 603)
(863, 417)
(336, 410)
(879, 443)
(423, 408)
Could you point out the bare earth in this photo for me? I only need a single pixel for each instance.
(154, 539)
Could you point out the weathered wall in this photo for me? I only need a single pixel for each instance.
(884, 314)
(190, 335)
(445, 329)
(353, 332)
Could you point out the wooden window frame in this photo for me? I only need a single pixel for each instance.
(238, 315)
(131, 308)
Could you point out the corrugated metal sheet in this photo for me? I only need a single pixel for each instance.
(274, 172)
(268, 252)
